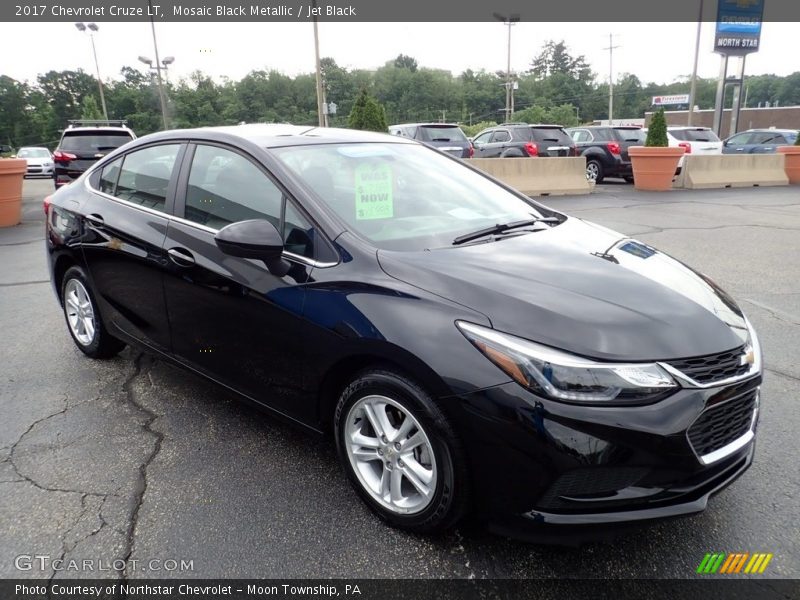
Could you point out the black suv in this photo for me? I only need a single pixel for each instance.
(520, 140)
(446, 137)
(83, 143)
(606, 149)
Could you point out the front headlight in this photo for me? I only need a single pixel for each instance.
(568, 377)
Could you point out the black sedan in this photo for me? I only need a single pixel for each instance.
(470, 350)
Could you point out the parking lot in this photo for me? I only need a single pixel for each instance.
(133, 459)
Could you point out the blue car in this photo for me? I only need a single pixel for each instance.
(758, 141)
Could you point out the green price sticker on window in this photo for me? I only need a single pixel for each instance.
(374, 192)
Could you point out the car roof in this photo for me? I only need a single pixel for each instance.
(34, 148)
(99, 129)
(605, 127)
(425, 125)
(278, 135)
(769, 130)
(687, 128)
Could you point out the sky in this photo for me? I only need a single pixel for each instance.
(657, 52)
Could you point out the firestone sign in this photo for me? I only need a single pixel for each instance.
(738, 26)
(669, 100)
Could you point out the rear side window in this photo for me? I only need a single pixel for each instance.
(145, 174)
(433, 133)
(551, 135)
(109, 176)
(92, 142)
(501, 136)
(767, 137)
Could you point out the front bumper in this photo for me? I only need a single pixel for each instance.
(544, 465)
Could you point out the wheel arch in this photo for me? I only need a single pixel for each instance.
(340, 373)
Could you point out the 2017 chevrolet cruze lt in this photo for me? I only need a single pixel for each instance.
(470, 349)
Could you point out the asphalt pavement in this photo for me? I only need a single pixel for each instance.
(133, 459)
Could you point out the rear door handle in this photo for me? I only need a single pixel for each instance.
(95, 220)
(181, 257)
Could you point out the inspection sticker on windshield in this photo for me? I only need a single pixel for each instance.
(374, 192)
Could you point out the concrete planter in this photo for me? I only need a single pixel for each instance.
(12, 174)
(792, 164)
(654, 166)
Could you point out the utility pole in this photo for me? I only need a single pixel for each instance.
(693, 87)
(509, 21)
(444, 116)
(320, 91)
(611, 48)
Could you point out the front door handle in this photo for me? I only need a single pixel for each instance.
(181, 257)
(95, 220)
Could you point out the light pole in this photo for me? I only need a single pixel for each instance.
(693, 87)
(509, 20)
(91, 28)
(157, 68)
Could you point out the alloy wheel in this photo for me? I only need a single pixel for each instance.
(80, 314)
(592, 171)
(391, 454)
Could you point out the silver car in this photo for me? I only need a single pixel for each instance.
(40, 161)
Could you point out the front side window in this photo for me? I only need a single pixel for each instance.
(225, 187)
(145, 174)
(400, 196)
(739, 139)
(483, 138)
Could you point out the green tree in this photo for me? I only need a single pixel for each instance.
(89, 108)
(405, 62)
(367, 114)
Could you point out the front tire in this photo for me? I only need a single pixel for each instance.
(83, 317)
(400, 453)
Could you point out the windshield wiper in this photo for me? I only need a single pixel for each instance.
(502, 228)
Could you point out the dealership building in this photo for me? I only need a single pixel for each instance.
(780, 117)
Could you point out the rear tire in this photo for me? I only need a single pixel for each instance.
(83, 317)
(629, 178)
(400, 453)
(594, 171)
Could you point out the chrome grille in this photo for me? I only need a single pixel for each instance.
(712, 367)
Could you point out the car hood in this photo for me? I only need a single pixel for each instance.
(38, 160)
(582, 288)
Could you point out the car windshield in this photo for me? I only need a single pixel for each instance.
(402, 196)
(91, 141)
(694, 135)
(439, 133)
(33, 153)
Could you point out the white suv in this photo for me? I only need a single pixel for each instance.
(694, 140)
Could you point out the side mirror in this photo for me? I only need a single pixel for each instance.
(256, 238)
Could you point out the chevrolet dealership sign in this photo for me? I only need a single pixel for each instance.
(738, 26)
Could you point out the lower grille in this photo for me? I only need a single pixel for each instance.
(721, 424)
(713, 367)
(592, 482)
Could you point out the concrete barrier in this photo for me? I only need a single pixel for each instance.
(732, 170)
(539, 176)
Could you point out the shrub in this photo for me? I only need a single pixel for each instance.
(368, 114)
(657, 132)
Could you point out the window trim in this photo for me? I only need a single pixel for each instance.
(169, 201)
(182, 185)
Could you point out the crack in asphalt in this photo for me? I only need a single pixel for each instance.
(774, 312)
(36, 241)
(142, 365)
(784, 374)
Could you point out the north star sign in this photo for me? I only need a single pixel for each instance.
(738, 26)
